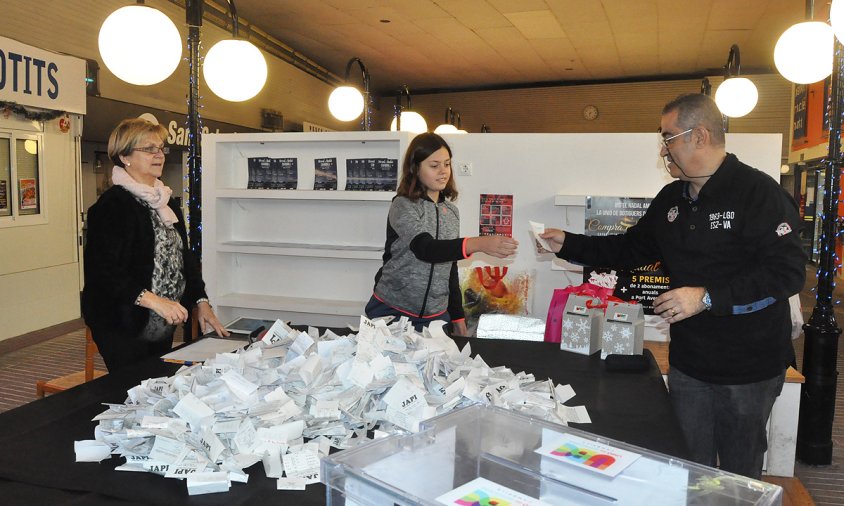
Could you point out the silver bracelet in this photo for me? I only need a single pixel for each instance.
(205, 300)
(140, 296)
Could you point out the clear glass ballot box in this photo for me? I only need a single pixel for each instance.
(482, 455)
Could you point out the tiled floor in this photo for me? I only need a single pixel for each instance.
(20, 369)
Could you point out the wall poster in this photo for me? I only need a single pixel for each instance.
(29, 193)
(4, 196)
(496, 216)
(614, 215)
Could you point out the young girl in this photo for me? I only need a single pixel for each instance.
(419, 275)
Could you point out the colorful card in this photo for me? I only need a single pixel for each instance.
(586, 454)
(482, 492)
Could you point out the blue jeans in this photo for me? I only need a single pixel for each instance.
(376, 308)
(725, 423)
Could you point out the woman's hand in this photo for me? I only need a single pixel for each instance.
(206, 317)
(493, 245)
(554, 237)
(172, 312)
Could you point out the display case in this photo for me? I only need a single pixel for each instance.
(306, 255)
(488, 455)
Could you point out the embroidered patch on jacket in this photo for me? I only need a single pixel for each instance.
(783, 229)
(672, 214)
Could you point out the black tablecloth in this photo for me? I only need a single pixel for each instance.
(37, 457)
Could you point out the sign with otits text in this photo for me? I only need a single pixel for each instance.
(34, 77)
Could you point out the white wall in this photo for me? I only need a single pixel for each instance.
(39, 264)
(536, 167)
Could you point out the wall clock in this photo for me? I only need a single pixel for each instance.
(590, 112)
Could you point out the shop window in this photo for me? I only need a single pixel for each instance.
(20, 178)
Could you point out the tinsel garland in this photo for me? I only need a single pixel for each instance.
(11, 107)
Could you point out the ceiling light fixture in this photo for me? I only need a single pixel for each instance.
(235, 69)
(406, 121)
(346, 102)
(448, 125)
(803, 53)
(736, 96)
(145, 63)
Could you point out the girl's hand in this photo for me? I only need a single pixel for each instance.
(493, 245)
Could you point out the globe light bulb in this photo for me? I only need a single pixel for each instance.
(836, 18)
(235, 70)
(410, 122)
(345, 103)
(736, 96)
(140, 45)
(803, 53)
(30, 146)
(445, 128)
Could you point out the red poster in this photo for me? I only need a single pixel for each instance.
(496, 215)
(28, 193)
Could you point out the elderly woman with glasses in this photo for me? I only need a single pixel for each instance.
(140, 275)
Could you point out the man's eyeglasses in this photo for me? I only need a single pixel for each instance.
(153, 150)
(666, 141)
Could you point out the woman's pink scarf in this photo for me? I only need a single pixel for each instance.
(156, 196)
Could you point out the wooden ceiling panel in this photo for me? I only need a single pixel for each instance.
(716, 46)
(470, 43)
(581, 21)
(536, 24)
(508, 6)
(474, 13)
(513, 48)
(555, 50)
(732, 15)
(416, 9)
(632, 17)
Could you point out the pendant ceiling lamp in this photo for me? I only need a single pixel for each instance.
(235, 69)
(449, 126)
(803, 53)
(736, 96)
(407, 120)
(140, 44)
(346, 102)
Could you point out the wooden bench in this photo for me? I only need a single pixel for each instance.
(782, 425)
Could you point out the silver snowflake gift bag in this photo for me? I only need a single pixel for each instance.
(623, 329)
(581, 325)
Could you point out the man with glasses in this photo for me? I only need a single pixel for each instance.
(728, 236)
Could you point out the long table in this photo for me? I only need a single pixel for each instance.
(37, 460)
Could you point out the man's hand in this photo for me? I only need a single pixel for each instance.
(680, 303)
(554, 237)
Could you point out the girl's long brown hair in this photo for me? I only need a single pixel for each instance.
(421, 147)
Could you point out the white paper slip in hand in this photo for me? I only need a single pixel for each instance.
(536, 229)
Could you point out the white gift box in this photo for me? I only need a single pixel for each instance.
(623, 329)
(581, 326)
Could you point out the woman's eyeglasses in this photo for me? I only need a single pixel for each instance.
(153, 150)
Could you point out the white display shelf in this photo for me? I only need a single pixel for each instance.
(303, 249)
(569, 200)
(336, 307)
(316, 251)
(235, 193)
